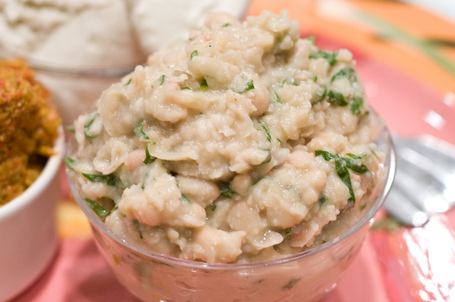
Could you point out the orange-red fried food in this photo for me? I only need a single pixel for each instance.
(28, 128)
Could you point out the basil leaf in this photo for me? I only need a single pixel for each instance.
(161, 79)
(88, 122)
(320, 95)
(322, 199)
(326, 155)
(110, 180)
(70, 128)
(331, 57)
(343, 174)
(248, 86)
(70, 163)
(148, 159)
(99, 210)
(347, 72)
(185, 198)
(355, 166)
(194, 53)
(139, 131)
(204, 85)
(226, 190)
(277, 98)
(266, 130)
(351, 155)
(356, 106)
(337, 98)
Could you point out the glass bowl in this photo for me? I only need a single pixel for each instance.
(306, 276)
(75, 90)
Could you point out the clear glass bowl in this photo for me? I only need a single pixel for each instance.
(306, 276)
(75, 90)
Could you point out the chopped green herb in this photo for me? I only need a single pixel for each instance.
(185, 198)
(248, 86)
(226, 24)
(277, 98)
(268, 158)
(343, 174)
(291, 284)
(331, 57)
(226, 190)
(70, 163)
(337, 98)
(312, 39)
(204, 85)
(279, 140)
(192, 39)
(194, 53)
(320, 95)
(315, 79)
(99, 210)
(355, 166)
(266, 130)
(137, 225)
(110, 180)
(161, 79)
(360, 156)
(356, 106)
(139, 131)
(347, 72)
(186, 88)
(88, 122)
(287, 232)
(148, 159)
(341, 167)
(322, 199)
(213, 207)
(129, 82)
(70, 128)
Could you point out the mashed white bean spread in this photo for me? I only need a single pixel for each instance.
(236, 146)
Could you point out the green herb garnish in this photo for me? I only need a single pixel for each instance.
(341, 167)
(347, 72)
(266, 130)
(161, 79)
(226, 190)
(185, 198)
(137, 225)
(213, 207)
(356, 106)
(226, 24)
(139, 131)
(186, 88)
(315, 79)
(88, 123)
(322, 199)
(204, 85)
(99, 210)
(70, 128)
(277, 98)
(331, 57)
(360, 156)
(110, 180)
(129, 82)
(148, 159)
(337, 98)
(194, 53)
(268, 158)
(70, 163)
(320, 95)
(248, 87)
(312, 39)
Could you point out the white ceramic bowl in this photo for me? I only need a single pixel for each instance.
(28, 233)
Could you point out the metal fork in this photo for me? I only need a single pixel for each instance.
(424, 181)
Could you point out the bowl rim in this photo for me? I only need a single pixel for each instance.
(46, 176)
(389, 163)
(45, 67)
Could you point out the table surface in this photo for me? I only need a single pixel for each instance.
(393, 42)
